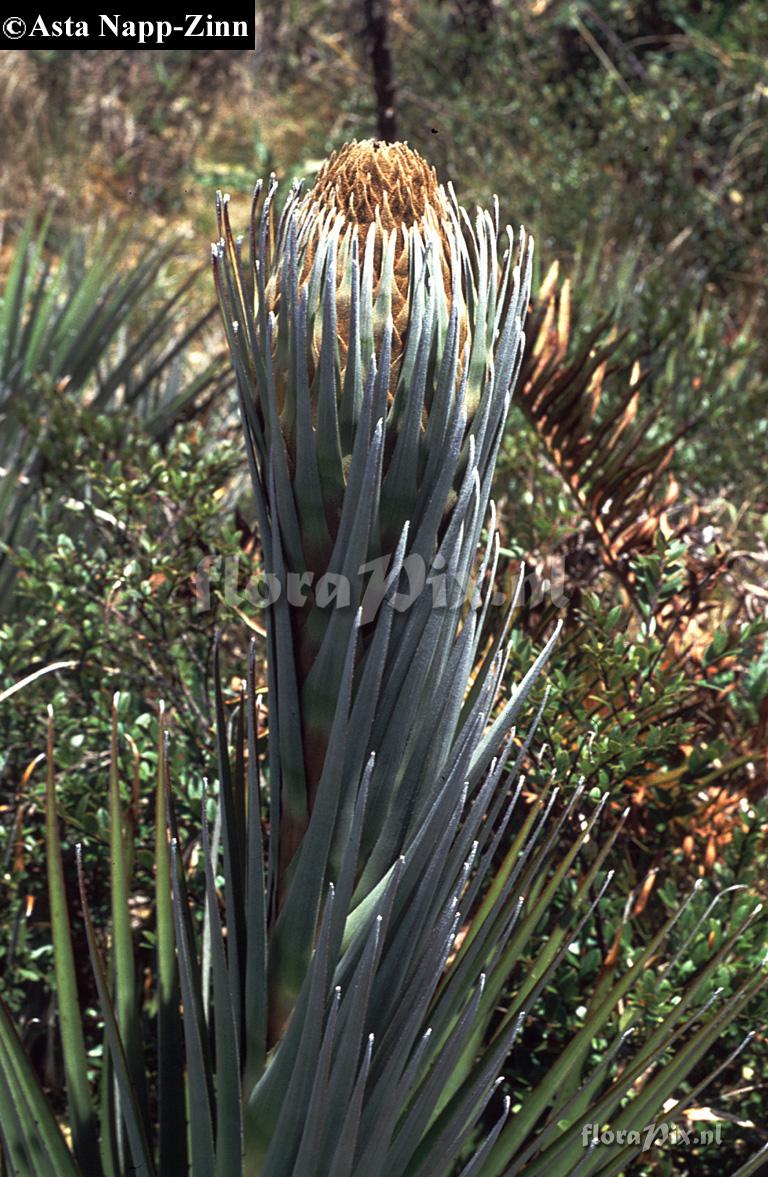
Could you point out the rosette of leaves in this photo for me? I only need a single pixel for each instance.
(376, 336)
(90, 326)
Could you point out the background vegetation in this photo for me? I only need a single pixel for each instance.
(631, 139)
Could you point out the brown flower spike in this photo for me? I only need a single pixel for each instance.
(379, 194)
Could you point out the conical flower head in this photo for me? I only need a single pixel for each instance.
(373, 180)
(380, 194)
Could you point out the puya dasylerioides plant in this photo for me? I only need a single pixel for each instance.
(375, 372)
(390, 921)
